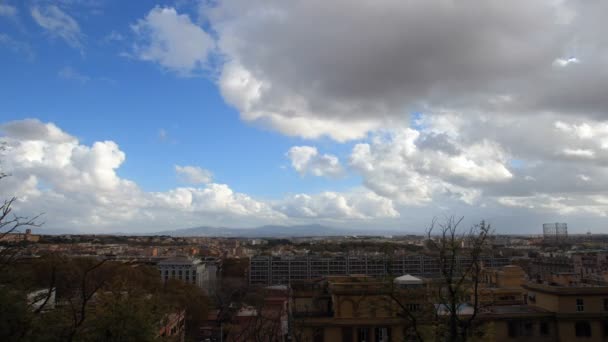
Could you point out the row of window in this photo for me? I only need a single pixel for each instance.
(526, 328)
(363, 334)
(187, 273)
(580, 304)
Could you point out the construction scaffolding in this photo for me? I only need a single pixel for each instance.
(555, 232)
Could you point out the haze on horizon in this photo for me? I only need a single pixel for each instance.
(141, 116)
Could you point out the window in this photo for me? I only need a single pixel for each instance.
(582, 329)
(605, 324)
(382, 334)
(363, 335)
(605, 304)
(544, 328)
(580, 305)
(413, 307)
(520, 328)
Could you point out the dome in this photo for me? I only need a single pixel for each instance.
(408, 279)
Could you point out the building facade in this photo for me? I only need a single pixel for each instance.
(271, 270)
(184, 269)
(359, 308)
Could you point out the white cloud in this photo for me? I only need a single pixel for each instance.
(241, 89)
(307, 160)
(584, 178)
(113, 36)
(335, 206)
(409, 175)
(308, 69)
(567, 205)
(579, 153)
(77, 186)
(395, 166)
(69, 73)
(58, 24)
(8, 11)
(33, 129)
(172, 40)
(193, 174)
(564, 62)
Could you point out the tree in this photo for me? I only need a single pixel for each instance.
(123, 316)
(460, 255)
(181, 295)
(15, 314)
(10, 223)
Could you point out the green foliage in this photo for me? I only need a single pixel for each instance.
(191, 298)
(14, 315)
(96, 301)
(122, 317)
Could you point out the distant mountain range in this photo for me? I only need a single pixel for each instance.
(269, 231)
(274, 231)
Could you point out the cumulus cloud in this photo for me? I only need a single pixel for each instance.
(172, 40)
(404, 179)
(336, 206)
(394, 166)
(308, 68)
(35, 130)
(77, 186)
(309, 62)
(58, 24)
(307, 160)
(193, 174)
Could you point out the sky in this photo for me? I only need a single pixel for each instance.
(141, 116)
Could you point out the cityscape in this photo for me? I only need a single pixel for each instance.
(303, 171)
(549, 286)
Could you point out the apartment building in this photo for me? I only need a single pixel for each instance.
(273, 270)
(591, 264)
(580, 311)
(541, 268)
(185, 269)
(345, 308)
(361, 308)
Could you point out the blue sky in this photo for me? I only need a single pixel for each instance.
(132, 104)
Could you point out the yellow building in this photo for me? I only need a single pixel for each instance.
(502, 286)
(581, 311)
(20, 237)
(353, 308)
(360, 308)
